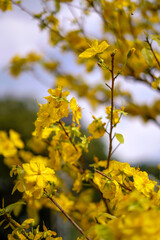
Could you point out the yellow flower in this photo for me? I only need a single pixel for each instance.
(69, 153)
(94, 49)
(156, 84)
(16, 235)
(36, 176)
(57, 94)
(53, 111)
(33, 57)
(15, 138)
(7, 147)
(77, 183)
(117, 113)
(37, 145)
(96, 128)
(5, 5)
(76, 110)
(10, 161)
(64, 201)
(143, 184)
(27, 222)
(17, 65)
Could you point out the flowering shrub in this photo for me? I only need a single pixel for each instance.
(128, 206)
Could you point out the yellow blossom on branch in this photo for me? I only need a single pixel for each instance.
(53, 111)
(117, 113)
(8, 145)
(15, 138)
(143, 184)
(76, 110)
(70, 153)
(96, 128)
(94, 49)
(36, 177)
(7, 148)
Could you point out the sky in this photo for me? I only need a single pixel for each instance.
(20, 34)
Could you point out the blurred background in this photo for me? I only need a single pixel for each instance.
(20, 95)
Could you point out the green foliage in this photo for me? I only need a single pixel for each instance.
(119, 137)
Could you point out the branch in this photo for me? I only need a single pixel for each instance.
(104, 175)
(66, 214)
(70, 139)
(115, 148)
(112, 106)
(150, 46)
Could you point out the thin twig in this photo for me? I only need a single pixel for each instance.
(112, 106)
(82, 170)
(77, 21)
(117, 75)
(66, 214)
(101, 194)
(70, 139)
(116, 148)
(108, 86)
(150, 46)
(104, 175)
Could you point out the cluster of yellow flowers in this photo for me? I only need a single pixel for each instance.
(96, 128)
(56, 108)
(130, 195)
(9, 145)
(117, 113)
(34, 177)
(128, 205)
(18, 232)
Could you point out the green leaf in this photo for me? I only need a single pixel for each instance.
(119, 137)
(10, 207)
(148, 56)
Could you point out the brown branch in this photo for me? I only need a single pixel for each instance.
(66, 215)
(101, 194)
(104, 175)
(108, 86)
(70, 139)
(112, 106)
(82, 170)
(115, 148)
(150, 46)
